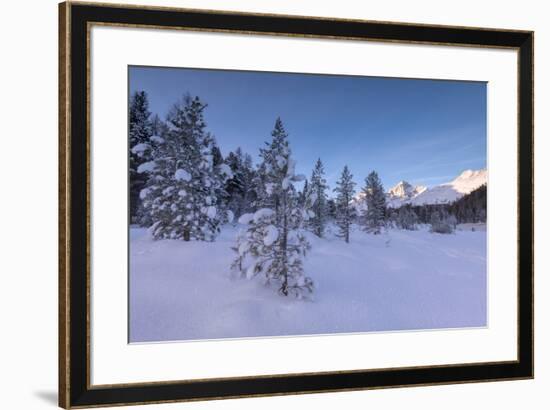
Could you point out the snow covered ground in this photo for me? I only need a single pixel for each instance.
(401, 280)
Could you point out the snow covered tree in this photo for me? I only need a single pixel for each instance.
(239, 188)
(250, 194)
(331, 209)
(235, 186)
(319, 186)
(303, 194)
(182, 192)
(375, 198)
(271, 169)
(263, 249)
(345, 212)
(272, 243)
(140, 131)
(147, 152)
(442, 222)
(217, 157)
(158, 127)
(406, 218)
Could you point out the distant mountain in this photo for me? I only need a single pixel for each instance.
(403, 193)
(465, 183)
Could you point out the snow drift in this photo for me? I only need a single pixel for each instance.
(401, 280)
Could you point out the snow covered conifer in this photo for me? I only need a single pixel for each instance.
(406, 218)
(217, 157)
(345, 212)
(375, 198)
(264, 249)
(272, 243)
(250, 194)
(272, 169)
(442, 222)
(181, 195)
(158, 132)
(158, 127)
(239, 188)
(302, 195)
(331, 209)
(140, 131)
(319, 186)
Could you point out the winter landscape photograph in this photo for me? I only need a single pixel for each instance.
(267, 204)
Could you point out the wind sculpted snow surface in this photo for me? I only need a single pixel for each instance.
(401, 280)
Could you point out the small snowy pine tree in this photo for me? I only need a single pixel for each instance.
(331, 209)
(375, 198)
(406, 218)
(319, 186)
(272, 244)
(303, 194)
(239, 188)
(345, 212)
(441, 222)
(158, 127)
(250, 195)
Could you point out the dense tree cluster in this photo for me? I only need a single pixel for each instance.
(140, 132)
(471, 208)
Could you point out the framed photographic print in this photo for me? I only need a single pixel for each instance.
(257, 204)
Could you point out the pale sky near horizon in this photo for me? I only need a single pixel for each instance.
(423, 131)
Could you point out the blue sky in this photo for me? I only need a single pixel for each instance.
(422, 131)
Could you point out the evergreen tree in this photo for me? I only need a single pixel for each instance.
(345, 212)
(319, 186)
(303, 194)
(392, 218)
(235, 186)
(471, 207)
(441, 221)
(158, 131)
(250, 194)
(217, 157)
(240, 187)
(182, 192)
(273, 161)
(407, 218)
(140, 132)
(375, 197)
(331, 209)
(272, 243)
(158, 128)
(221, 172)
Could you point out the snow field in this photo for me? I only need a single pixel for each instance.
(400, 280)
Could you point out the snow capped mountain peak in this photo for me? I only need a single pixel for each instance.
(470, 173)
(405, 190)
(402, 193)
(469, 180)
(405, 193)
(465, 183)
(401, 189)
(466, 174)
